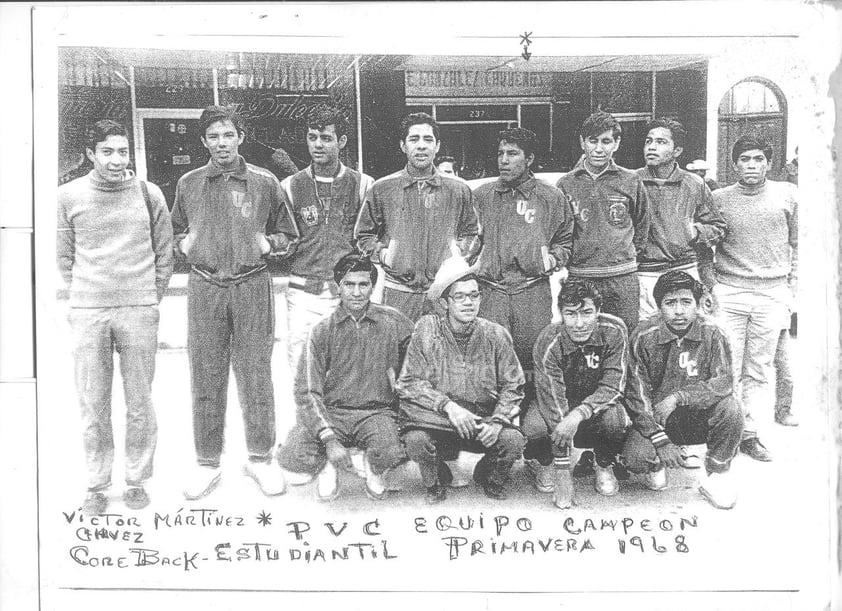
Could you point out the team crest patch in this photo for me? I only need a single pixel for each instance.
(242, 201)
(310, 215)
(618, 210)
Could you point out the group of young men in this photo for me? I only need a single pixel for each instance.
(461, 353)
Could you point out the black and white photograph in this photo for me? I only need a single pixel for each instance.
(378, 305)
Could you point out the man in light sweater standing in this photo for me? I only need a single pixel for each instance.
(114, 252)
(756, 272)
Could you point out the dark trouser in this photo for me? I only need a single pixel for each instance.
(719, 426)
(604, 432)
(783, 376)
(374, 431)
(429, 447)
(231, 326)
(524, 315)
(620, 296)
(410, 305)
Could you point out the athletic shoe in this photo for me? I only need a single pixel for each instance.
(268, 477)
(690, 460)
(95, 503)
(135, 497)
(358, 461)
(753, 448)
(201, 482)
(786, 419)
(719, 490)
(327, 484)
(584, 467)
(297, 479)
(494, 491)
(605, 482)
(656, 480)
(562, 488)
(459, 479)
(436, 494)
(375, 485)
(544, 478)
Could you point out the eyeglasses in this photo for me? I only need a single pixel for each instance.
(461, 297)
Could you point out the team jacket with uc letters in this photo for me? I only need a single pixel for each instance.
(611, 224)
(588, 377)
(517, 223)
(695, 368)
(326, 224)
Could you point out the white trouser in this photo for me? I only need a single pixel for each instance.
(304, 311)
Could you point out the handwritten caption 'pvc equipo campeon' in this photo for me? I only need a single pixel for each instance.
(113, 540)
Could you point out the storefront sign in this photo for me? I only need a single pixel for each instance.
(464, 83)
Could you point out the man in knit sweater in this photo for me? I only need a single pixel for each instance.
(228, 218)
(611, 219)
(756, 272)
(114, 250)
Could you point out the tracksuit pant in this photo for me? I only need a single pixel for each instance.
(131, 331)
(720, 426)
(231, 326)
(411, 305)
(620, 296)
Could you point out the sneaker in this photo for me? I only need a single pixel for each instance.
(605, 482)
(545, 478)
(135, 497)
(786, 419)
(436, 494)
(719, 490)
(459, 479)
(656, 480)
(494, 491)
(202, 482)
(481, 470)
(268, 477)
(375, 485)
(584, 467)
(327, 484)
(756, 450)
(95, 503)
(562, 488)
(297, 479)
(358, 461)
(690, 460)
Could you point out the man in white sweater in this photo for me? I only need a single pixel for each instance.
(756, 273)
(114, 251)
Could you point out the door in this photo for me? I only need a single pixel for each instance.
(172, 148)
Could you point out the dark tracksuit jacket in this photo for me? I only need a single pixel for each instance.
(611, 224)
(517, 222)
(676, 204)
(589, 377)
(346, 362)
(418, 220)
(326, 225)
(486, 379)
(695, 368)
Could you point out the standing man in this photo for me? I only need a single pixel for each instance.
(460, 388)
(414, 219)
(229, 217)
(345, 388)
(756, 272)
(527, 233)
(114, 252)
(325, 201)
(580, 376)
(684, 225)
(611, 212)
(681, 391)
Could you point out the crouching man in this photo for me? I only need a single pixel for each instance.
(460, 387)
(344, 388)
(681, 391)
(580, 373)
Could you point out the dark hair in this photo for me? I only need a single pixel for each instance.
(524, 138)
(446, 292)
(574, 293)
(600, 122)
(679, 134)
(322, 117)
(418, 118)
(676, 280)
(750, 143)
(446, 159)
(100, 130)
(354, 263)
(212, 114)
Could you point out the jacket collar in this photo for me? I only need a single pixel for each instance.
(525, 187)
(433, 180)
(648, 176)
(214, 170)
(665, 335)
(372, 313)
(339, 173)
(580, 168)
